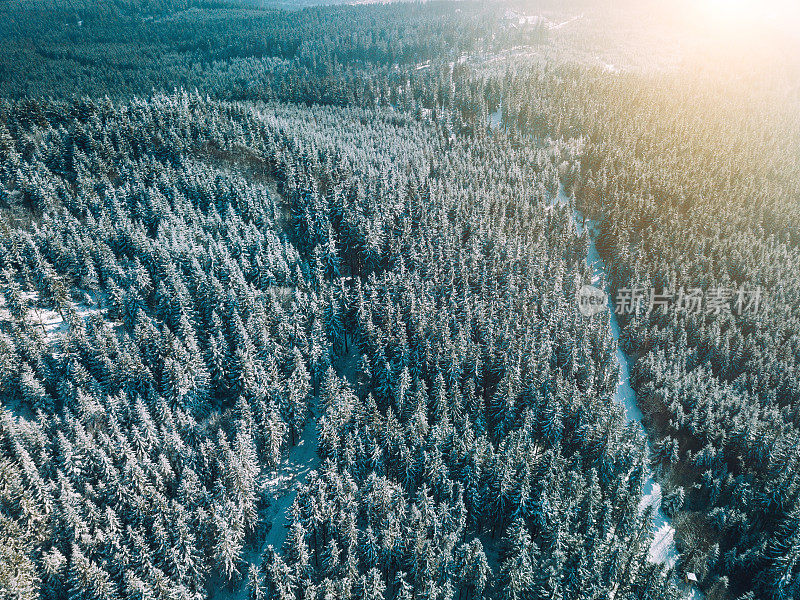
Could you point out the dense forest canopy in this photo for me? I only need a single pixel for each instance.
(288, 301)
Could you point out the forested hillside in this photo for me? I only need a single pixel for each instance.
(229, 235)
(235, 254)
(338, 55)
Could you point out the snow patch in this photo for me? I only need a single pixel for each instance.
(516, 19)
(662, 549)
(608, 67)
(53, 324)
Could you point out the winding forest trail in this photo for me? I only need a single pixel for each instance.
(662, 549)
(283, 486)
(294, 471)
(292, 474)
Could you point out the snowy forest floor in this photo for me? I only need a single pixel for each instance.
(53, 323)
(282, 486)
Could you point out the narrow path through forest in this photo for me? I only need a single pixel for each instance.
(292, 473)
(662, 548)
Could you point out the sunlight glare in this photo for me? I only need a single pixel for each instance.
(740, 12)
(731, 11)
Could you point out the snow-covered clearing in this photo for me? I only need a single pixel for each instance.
(282, 486)
(53, 324)
(609, 67)
(662, 549)
(515, 18)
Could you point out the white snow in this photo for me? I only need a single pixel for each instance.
(293, 472)
(608, 67)
(517, 18)
(283, 486)
(530, 19)
(561, 196)
(662, 549)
